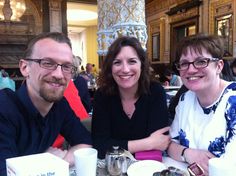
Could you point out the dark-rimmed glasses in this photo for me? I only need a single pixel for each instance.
(49, 64)
(198, 64)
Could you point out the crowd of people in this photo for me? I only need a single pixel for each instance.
(129, 108)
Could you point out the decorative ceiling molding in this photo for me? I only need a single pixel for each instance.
(184, 7)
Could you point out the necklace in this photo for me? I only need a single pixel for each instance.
(128, 107)
(129, 114)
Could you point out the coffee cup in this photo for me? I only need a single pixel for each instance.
(86, 161)
(220, 166)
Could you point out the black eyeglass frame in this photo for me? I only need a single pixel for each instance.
(208, 60)
(54, 65)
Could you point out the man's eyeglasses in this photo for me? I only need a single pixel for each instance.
(198, 64)
(49, 64)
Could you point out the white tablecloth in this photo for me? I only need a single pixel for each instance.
(166, 160)
(171, 162)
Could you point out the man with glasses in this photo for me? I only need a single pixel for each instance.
(32, 118)
(204, 126)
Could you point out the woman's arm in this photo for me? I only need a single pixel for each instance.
(156, 141)
(157, 130)
(175, 150)
(190, 155)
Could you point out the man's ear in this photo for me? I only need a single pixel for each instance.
(24, 67)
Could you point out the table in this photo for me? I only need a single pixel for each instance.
(177, 164)
(166, 160)
(100, 172)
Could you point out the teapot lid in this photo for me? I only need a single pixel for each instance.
(116, 150)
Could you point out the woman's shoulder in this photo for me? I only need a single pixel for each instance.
(156, 86)
(229, 93)
(101, 94)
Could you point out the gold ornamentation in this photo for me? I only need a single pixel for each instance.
(12, 10)
(120, 18)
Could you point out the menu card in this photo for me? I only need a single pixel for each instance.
(44, 164)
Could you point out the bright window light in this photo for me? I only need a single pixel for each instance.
(81, 15)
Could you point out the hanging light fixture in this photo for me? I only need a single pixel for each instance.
(12, 10)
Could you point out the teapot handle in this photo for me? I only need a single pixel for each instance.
(128, 155)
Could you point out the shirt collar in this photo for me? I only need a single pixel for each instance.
(23, 95)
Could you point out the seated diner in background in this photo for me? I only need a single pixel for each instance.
(32, 117)
(172, 79)
(82, 87)
(204, 126)
(130, 111)
(88, 75)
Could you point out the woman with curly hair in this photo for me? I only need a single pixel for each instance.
(130, 111)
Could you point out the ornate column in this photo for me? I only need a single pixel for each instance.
(55, 15)
(119, 18)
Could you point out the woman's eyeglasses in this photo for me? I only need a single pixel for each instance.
(198, 64)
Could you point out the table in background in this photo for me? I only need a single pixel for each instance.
(170, 88)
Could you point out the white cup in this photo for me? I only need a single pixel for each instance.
(220, 166)
(86, 161)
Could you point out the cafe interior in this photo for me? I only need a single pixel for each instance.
(92, 26)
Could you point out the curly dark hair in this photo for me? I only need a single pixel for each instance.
(106, 81)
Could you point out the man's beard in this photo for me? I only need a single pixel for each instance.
(52, 95)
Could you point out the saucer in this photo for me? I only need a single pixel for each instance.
(145, 167)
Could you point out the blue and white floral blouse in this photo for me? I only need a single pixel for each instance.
(212, 128)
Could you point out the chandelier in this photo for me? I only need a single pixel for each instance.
(12, 10)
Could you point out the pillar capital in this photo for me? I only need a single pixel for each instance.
(120, 18)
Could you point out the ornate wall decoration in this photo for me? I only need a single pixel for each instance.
(156, 42)
(12, 10)
(120, 18)
(218, 8)
(14, 35)
(184, 15)
(55, 15)
(221, 23)
(7, 10)
(156, 6)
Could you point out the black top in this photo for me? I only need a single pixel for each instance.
(111, 126)
(82, 87)
(24, 131)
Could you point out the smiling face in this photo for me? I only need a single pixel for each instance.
(47, 85)
(126, 69)
(202, 79)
